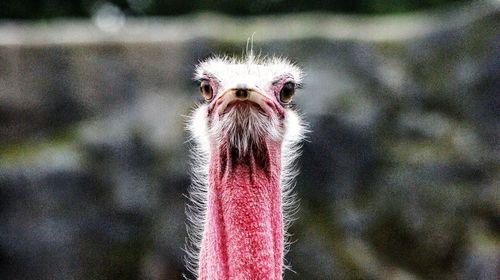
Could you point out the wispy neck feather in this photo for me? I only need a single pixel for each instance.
(244, 126)
(246, 184)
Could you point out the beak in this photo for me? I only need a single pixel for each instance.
(246, 94)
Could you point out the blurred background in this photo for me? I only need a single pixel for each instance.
(399, 176)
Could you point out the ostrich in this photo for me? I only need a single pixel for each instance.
(246, 137)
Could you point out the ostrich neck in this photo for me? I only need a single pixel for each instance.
(243, 235)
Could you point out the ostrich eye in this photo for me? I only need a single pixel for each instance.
(287, 92)
(206, 90)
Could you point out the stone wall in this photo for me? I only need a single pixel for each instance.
(399, 174)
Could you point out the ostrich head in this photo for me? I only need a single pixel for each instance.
(246, 135)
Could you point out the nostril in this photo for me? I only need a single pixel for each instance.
(241, 93)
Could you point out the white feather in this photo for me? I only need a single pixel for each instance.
(196, 208)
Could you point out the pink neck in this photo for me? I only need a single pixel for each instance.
(243, 236)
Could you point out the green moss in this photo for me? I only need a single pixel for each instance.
(115, 260)
(421, 152)
(16, 150)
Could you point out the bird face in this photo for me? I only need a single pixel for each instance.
(268, 85)
(247, 101)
